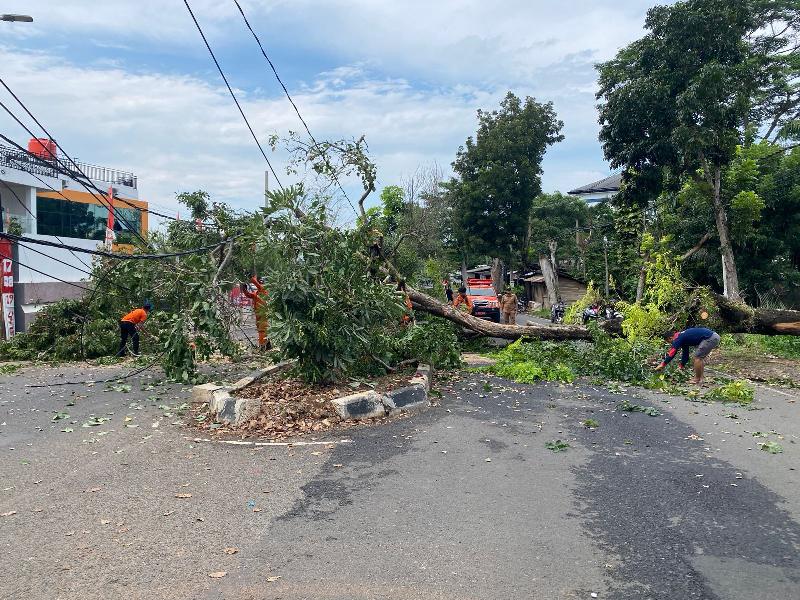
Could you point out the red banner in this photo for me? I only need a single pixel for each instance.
(7, 287)
(110, 235)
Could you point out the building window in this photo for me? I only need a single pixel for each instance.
(55, 216)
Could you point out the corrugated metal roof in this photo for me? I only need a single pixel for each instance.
(611, 183)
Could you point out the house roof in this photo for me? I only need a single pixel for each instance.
(539, 278)
(611, 183)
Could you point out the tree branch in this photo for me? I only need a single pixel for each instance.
(693, 250)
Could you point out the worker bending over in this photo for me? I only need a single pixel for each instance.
(704, 338)
(462, 298)
(129, 328)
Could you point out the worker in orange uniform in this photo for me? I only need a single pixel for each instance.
(259, 298)
(407, 317)
(463, 298)
(129, 327)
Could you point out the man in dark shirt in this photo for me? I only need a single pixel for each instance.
(704, 338)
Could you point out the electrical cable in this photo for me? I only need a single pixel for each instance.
(119, 285)
(61, 193)
(230, 89)
(73, 284)
(111, 380)
(22, 204)
(289, 97)
(109, 206)
(200, 250)
(54, 258)
(42, 127)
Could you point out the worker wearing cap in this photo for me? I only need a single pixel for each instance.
(129, 327)
(259, 298)
(703, 338)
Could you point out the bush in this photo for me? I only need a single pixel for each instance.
(432, 341)
(610, 358)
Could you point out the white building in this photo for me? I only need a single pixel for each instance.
(49, 205)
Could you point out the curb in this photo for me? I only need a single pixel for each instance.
(228, 408)
(363, 405)
(368, 405)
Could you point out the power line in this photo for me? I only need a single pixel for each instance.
(288, 96)
(228, 85)
(200, 250)
(43, 128)
(63, 262)
(61, 193)
(109, 206)
(22, 204)
(73, 284)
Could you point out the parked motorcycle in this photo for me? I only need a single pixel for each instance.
(557, 312)
(590, 313)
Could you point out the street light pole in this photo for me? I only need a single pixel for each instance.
(17, 18)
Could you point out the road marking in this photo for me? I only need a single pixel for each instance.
(246, 443)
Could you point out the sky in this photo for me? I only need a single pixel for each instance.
(130, 85)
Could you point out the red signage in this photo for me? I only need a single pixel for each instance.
(110, 235)
(7, 287)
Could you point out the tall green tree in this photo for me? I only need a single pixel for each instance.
(555, 226)
(498, 174)
(706, 76)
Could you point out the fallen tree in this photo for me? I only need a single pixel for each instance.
(734, 317)
(740, 318)
(433, 306)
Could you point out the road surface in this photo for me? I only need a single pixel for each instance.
(463, 501)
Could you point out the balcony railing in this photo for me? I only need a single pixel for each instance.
(17, 159)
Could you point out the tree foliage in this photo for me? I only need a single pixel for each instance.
(499, 173)
(677, 103)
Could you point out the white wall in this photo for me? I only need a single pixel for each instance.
(71, 271)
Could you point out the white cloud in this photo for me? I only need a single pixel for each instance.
(410, 77)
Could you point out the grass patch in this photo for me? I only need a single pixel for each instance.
(783, 346)
(9, 368)
(591, 423)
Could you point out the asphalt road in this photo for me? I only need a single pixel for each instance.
(460, 502)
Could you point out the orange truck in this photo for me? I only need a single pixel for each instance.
(484, 299)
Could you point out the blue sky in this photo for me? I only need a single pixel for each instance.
(130, 85)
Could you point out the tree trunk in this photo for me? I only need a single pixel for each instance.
(740, 318)
(497, 275)
(549, 278)
(553, 246)
(730, 278)
(432, 306)
(737, 317)
(463, 270)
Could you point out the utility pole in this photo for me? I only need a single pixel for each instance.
(605, 260)
(266, 189)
